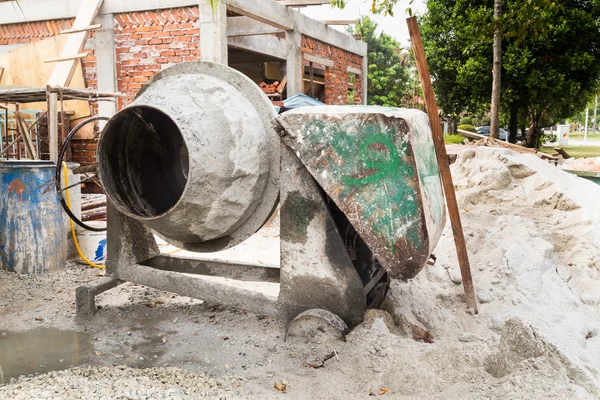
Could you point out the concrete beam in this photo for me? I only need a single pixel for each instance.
(277, 15)
(106, 64)
(294, 67)
(267, 11)
(355, 71)
(341, 22)
(245, 26)
(365, 75)
(213, 32)
(318, 60)
(271, 46)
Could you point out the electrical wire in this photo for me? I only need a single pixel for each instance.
(68, 198)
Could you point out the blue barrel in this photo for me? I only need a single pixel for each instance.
(33, 239)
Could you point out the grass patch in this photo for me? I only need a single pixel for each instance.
(454, 139)
(580, 135)
(576, 151)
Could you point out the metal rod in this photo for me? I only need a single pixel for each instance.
(18, 143)
(312, 82)
(37, 139)
(2, 136)
(91, 177)
(376, 278)
(62, 118)
(8, 147)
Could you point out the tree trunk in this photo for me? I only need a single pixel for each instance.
(495, 120)
(533, 136)
(513, 124)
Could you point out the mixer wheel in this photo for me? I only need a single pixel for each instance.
(317, 326)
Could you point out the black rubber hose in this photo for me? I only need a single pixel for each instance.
(61, 155)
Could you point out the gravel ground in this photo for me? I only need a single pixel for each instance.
(121, 382)
(49, 298)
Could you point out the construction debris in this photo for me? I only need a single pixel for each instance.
(582, 164)
(269, 88)
(481, 140)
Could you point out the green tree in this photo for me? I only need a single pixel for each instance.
(550, 66)
(389, 78)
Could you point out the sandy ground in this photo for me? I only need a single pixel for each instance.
(516, 347)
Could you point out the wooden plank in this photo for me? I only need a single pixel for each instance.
(562, 153)
(282, 85)
(82, 29)
(73, 57)
(63, 71)
(1, 73)
(318, 60)
(24, 132)
(496, 141)
(341, 22)
(315, 82)
(442, 158)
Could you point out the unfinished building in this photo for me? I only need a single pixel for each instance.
(129, 42)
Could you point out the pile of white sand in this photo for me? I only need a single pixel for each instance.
(533, 235)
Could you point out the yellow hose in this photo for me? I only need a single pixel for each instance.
(84, 258)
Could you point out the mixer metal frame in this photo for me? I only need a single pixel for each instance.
(337, 287)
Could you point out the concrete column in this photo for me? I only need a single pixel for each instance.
(213, 32)
(364, 75)
(293, 63)
(106, 64)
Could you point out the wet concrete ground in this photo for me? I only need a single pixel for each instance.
(148, 328)
(41, 350)
(135, 325)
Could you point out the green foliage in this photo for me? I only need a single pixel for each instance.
(466, 121)
(467, 127)
(454, 139)
(385, 7)
(579, 118)
(550, 63)
(389, 78)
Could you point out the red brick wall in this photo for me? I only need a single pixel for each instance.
(32, 31)
(336, 77)
(147, 42)
(83, 151)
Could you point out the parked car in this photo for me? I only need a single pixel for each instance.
(485, 131)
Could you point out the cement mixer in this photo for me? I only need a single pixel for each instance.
(201, 159)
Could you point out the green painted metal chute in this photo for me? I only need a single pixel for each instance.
(379, 167)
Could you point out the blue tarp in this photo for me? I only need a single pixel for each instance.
(301, 100)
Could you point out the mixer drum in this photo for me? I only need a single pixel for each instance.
(194, 157)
